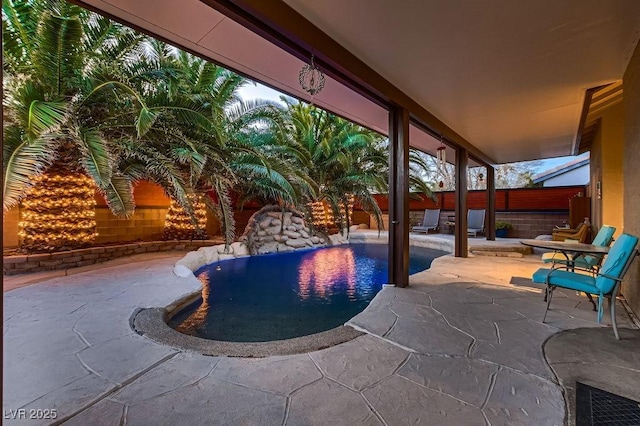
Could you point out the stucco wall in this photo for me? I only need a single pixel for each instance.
(612, 167)
(631, 93)
(596, 177)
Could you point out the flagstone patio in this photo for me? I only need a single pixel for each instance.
(462, 345)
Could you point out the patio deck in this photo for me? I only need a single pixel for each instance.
(446, 242)
(462, 345)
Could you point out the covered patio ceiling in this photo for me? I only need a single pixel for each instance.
(509, 77)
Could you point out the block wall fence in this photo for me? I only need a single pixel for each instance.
(531, 211)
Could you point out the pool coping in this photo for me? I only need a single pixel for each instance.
(152, 323)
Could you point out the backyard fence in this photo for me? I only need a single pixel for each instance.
(531, 211)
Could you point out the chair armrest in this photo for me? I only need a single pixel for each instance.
(618, 279)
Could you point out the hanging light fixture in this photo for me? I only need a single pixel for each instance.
(311, 78)
(441, 154)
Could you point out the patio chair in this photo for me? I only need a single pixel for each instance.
(475, 222)
(431, 221)
(581, 233)
(586, 261)
(603, 283)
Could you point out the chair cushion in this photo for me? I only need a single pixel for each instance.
(566, 279)
(616, 261)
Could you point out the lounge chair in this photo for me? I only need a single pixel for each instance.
(581, 233)
(585, 261)
(603, 283)
(431, 221)
(475, 222)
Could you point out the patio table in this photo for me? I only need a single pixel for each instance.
(570, 250)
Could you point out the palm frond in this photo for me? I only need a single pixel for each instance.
(57, 58)
(145, 120)
(24, 160)
(96, 158)
(119, 196)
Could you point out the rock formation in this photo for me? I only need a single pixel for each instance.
(270, 230)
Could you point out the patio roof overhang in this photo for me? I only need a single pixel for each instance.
(506, 81)
(509, 86)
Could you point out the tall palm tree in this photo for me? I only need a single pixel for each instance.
(72, 112)
(239, 152)
(347, 162)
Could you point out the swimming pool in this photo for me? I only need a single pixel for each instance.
(286, 295)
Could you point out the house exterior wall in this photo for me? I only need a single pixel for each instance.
(631, 165)
(607, 154)
(612, 186)
(579, 176)
(596, 179)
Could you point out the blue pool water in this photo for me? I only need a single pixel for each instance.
(285, 295)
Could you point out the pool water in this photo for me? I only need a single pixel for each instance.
(286, 295)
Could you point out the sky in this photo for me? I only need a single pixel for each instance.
(259, 91)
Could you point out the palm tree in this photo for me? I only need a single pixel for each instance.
(348, 162)
(240, 151)
(72, 112)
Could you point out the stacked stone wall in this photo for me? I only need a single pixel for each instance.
(28, 263)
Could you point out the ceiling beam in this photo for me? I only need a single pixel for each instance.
(286, 28)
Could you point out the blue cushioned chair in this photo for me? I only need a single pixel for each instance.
(585, 261)
(431, 221)
(604, 283)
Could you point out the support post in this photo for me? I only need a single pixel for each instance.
(399, 197)
(461, 239)
(491, 203)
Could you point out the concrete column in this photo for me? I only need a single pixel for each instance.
(399, 197)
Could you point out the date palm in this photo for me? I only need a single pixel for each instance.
(72, 109)
(53, 104)
(239, 151)
(345, 160)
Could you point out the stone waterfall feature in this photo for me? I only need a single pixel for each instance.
(268, 231)
(271, 231)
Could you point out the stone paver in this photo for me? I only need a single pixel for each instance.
(462, 345)
(360, 363)
(468, 380)
(520, 399)
(400, 401)
(327, 401)
(282, 374)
